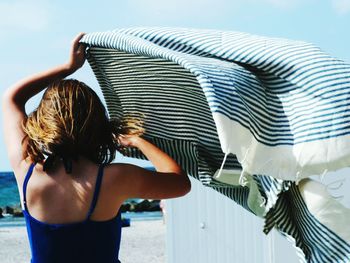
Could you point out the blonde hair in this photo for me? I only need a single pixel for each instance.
(71, 121)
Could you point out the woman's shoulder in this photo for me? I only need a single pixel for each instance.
(125, 178)
(124, 170)
(119, 171)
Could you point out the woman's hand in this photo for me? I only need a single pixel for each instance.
(77, 54)
(129, 140)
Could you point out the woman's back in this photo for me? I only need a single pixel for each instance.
(61, 198)
(70, 232)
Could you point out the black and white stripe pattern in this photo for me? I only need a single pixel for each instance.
(281, 110)
(169, 98)
(318, 243)
(284, 92)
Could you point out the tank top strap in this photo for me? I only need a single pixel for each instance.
(97, 191)
(25, 183)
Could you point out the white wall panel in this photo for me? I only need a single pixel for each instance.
(207, 227)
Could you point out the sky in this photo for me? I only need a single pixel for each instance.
(36, 34)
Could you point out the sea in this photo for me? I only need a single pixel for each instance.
(9, 196)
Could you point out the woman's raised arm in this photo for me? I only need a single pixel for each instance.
(168, 181)
(15, 98)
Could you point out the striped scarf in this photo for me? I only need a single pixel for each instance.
(250, 116)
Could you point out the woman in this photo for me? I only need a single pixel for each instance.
(61, 155)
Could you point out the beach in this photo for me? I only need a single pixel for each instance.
(142, 242)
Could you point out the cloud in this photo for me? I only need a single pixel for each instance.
(342, 7)
(24, 15)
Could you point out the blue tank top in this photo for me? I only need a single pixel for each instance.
(86, 242)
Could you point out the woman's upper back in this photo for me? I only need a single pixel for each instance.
(61, 198)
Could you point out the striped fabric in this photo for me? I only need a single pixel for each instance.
(275, 110)
(314, 241)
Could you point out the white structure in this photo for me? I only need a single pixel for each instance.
(207, 227)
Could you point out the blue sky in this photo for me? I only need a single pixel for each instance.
(36, 34)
